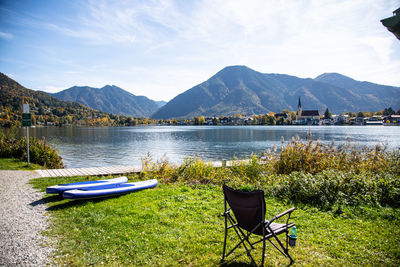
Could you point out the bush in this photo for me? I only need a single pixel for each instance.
(39, 151)
(304, 172)
(314, 157)
(332, 187)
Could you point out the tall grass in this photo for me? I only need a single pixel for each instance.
(303, 171)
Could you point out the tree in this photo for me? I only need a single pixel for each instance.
(280, 121)
(271, 120)
(388, 111)
(360, 114)
(215, 121)
(264, 120)
(199, 120)
(292, 115)
(328, 114)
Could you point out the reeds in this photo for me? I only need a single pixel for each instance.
(303, 171)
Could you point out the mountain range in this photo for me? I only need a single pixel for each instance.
(241, 90)
(233, 90)
(45, 108)
(111, 99)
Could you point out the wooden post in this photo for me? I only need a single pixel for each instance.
(224, 163)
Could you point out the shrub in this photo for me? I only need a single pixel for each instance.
(332, 187)
(314, 157)
(39, 151)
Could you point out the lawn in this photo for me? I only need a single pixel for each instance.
(16, 164)
(179, 225)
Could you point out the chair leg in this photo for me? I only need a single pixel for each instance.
(263, 253)
(226, 233)
(287, 247)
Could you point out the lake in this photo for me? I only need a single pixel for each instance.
(94, 147)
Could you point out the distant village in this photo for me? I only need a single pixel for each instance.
(387, 117)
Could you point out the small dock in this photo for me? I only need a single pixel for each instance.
(68, 172)
(115, 170)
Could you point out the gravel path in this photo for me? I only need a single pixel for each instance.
(22, 218)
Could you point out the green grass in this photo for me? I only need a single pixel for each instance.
(16, 164)
(180, 225)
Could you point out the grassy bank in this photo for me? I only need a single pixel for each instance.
(17, 164)
(177, 224)
(347, 213)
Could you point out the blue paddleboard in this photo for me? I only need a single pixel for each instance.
(109, 190)
(60, 188)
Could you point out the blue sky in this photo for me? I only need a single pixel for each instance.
(162, 48)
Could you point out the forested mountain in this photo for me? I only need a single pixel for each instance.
(48, 110)
(241, 90)
(110, 99)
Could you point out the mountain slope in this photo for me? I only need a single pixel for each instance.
(373, 95)
(239, 89)
(44, 108)
(110, 99)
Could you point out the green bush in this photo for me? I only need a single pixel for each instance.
(332, 187)
(39, 151)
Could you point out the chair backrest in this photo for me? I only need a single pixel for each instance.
(248, 207)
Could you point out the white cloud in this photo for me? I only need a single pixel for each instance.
(6, 35)
(160, 48)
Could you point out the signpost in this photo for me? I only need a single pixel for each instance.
(26, 122)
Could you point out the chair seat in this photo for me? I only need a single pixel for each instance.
(278, 228)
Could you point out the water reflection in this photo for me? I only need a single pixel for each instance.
(93, 147)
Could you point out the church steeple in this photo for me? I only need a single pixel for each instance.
(299, 111)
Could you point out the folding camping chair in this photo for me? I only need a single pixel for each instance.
(249, 219)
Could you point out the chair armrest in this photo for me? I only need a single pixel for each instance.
(285, 212)
(289, 211)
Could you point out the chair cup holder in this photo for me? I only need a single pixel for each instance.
(292, 241)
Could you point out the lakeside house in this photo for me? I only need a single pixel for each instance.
(373, 121)
(341, 119)
(307, 117)
(391, 120)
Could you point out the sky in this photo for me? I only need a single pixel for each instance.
(162, 48)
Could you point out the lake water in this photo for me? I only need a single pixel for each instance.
(94, 147)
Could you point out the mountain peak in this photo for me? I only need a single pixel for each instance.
(332, 76)
(111, 99)
(236, 69)
(110, 87)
